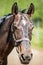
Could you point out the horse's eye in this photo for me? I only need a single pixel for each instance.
(14, 28)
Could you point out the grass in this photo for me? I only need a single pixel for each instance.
(37, 38)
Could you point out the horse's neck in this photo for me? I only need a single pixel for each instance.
(4, 30)
(7, 22)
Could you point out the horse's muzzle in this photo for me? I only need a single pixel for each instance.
(25, 59)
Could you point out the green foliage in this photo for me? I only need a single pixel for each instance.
(5, 8)
(6, 5)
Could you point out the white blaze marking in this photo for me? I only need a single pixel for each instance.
(24, 22)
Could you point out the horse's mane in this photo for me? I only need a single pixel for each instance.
(23, 11)
(2, 19)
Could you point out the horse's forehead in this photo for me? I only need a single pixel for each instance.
(17, 17)
(21, 19)
(21, 15)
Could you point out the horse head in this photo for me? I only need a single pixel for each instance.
(22, 32)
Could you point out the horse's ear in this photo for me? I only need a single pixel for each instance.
(31, 9)
(15, 8)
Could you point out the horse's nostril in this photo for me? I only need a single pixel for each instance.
(30, 57)
(22, 55)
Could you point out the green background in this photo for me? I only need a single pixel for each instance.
(37, 37)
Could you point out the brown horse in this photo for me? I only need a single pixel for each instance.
(16, 31)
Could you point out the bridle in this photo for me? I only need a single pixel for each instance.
(19, 40)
